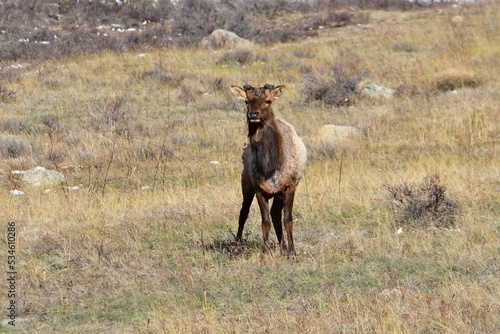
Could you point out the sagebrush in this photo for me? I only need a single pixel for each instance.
(424, 204)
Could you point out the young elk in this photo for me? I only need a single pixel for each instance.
(273, 163)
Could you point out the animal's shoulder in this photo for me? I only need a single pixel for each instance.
(295, 142)
(285, 126)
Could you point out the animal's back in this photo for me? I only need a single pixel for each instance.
(294, 149)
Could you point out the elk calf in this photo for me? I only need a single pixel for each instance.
(273, 163)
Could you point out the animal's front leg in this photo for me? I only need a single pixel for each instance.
(248, 194)
(266, 222)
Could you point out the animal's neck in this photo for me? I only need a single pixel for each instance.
(266, 143)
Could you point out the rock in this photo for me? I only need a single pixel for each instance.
(376, 91)
(221, 38)
(42, 177)
(330, 138)
(457, 20)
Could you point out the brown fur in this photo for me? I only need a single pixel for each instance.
(273, 163)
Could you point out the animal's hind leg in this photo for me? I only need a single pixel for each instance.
(288, 221)
(248, 195)
(276, 211)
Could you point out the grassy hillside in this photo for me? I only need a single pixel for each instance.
(140, 239)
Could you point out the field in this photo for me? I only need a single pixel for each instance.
(140, 238)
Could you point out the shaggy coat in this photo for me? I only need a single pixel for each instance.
(273, 163)
(274, 158)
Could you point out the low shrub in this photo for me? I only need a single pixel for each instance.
(13, 147)
(337, 84)
(399, 46)
(56, 155)
(196, 19)
(112, 114)
(423, 204)
(408, 90)
(11, 124)
(454, 79)
(6, 94)
(239, 57)
(40, 30)
(161, 75)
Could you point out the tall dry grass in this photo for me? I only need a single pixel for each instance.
(145, 244)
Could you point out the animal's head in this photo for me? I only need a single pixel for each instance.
(258, 100)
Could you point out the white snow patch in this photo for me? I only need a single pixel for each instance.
(75, 187)
(17, 192)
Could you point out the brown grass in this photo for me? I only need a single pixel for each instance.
(145, 243)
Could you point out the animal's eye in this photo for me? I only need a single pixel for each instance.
(268, 101)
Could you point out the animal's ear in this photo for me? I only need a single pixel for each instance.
(278, 90)
(238, 92)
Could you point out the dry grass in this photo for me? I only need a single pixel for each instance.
(115, 257)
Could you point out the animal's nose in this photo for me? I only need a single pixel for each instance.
(253, 114)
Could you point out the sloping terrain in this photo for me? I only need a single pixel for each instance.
(396, 224)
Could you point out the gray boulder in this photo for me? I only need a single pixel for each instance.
(330, 138)
(376, 90)
(221, 38)
(42, 177)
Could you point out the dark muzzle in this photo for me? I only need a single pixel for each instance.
(253, 115)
